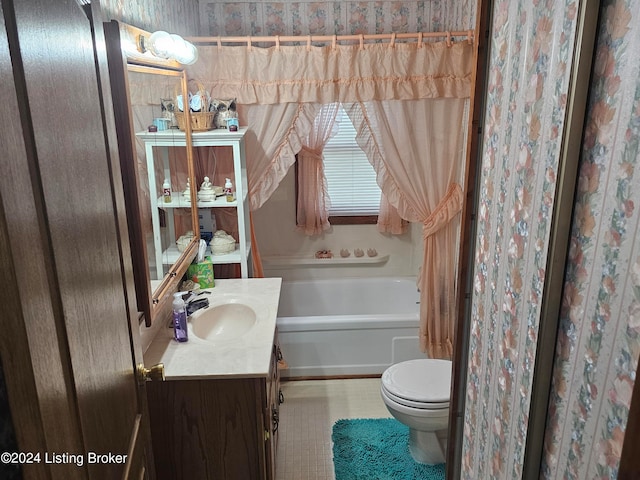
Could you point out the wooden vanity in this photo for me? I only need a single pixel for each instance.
(216, 415)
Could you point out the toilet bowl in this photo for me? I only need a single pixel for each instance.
(416, 393)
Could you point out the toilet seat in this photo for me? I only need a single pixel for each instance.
(413, 403)
(423, 384)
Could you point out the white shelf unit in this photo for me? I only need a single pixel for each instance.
(212, 138)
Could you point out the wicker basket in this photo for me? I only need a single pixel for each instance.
(200, 121)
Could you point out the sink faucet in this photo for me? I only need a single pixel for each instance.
(193, 303)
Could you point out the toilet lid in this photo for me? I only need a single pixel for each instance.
(420, 381)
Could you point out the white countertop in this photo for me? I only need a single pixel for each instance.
(245, 357)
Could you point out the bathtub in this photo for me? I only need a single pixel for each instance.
(347, 326)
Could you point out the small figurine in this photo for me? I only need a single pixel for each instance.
(372, 252)
(186, 195)
(344, 253)
(206, 193)
(358, 252)
(324, 254)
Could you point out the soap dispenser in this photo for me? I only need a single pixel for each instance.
(179, 318)
(166, 191)
(228, 190)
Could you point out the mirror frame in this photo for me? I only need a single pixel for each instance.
(121, 61)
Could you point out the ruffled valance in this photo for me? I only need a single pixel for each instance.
(341, 73)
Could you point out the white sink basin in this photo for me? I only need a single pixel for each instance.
(221, 323)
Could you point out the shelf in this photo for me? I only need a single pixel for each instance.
(156, 151)
(233, 257)
(171, 255)
(172, 137)
(300, 261)
(178, 201)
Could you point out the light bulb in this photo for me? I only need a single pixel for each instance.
(165, 45)
(161, 44)
(183, 51)
(192, 54)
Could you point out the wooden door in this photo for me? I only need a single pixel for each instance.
(69, 343)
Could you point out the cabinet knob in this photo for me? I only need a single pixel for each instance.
(155, 373)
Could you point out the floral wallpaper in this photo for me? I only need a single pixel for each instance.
(599, 335)
(530, 59)
(334, 17)
(599, 338)
(174, 16)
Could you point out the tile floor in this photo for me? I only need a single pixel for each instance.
(306, 419)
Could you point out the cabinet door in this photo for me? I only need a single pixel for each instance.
(208, 429)
(69, 340)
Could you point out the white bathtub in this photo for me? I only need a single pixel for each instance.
(347, 326)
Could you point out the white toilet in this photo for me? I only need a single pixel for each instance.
(416, 393)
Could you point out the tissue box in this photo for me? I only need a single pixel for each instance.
(202, 273)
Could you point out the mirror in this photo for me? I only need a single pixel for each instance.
(157, 167)
(162, 173)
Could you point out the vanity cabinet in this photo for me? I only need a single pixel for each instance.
(156, 145)
(220, 428)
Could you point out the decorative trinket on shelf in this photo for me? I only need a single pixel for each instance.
(224, 110)
(372, 252)
(222, 243)
(324, 254)
(167, 106)
(184, 241)
(206, 193)
(344, 253)
(186, 195)
(200, 109)
(358, 252)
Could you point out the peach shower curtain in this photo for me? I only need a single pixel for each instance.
(281, 89)
(313, 208)
(421, 175)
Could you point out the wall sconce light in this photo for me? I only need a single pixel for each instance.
(165, 45)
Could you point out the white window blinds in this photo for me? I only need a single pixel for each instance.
(351, 180)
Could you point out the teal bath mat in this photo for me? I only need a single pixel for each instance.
(377, 449)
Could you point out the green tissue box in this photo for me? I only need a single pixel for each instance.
(202, 273)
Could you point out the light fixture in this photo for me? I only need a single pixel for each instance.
(169, 46)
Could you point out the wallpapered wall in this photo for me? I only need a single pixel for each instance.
(599, 337)
(334, 17)
(598, 345)
(530, 59)
(174, 16)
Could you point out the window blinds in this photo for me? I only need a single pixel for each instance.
(351, 179)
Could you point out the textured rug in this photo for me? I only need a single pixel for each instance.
(377, 449)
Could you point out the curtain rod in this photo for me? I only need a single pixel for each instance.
(277, 40)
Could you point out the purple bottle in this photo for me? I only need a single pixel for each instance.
(179, 318)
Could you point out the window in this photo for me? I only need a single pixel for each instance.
(351, 180)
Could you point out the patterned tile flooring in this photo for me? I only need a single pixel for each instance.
(306, 419)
